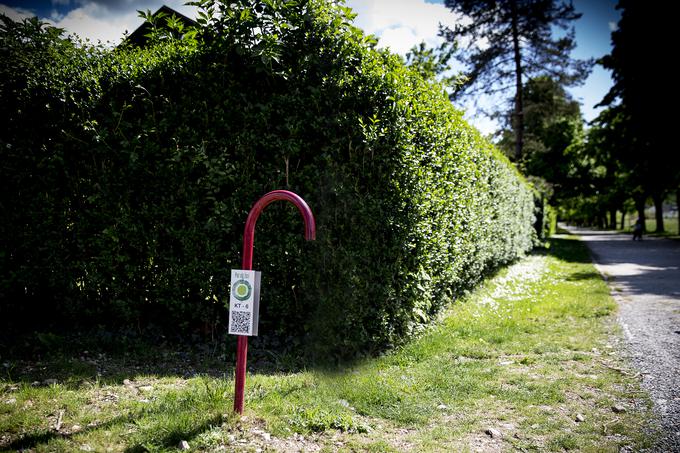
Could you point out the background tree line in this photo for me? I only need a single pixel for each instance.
(626, 156)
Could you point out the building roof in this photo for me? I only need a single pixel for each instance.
(139, 36)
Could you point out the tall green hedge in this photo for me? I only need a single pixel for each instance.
(127, 176)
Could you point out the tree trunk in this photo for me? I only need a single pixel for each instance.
(658, 211)
(640, 208)
(612, 219)
(623, 219)
(677, 204)
(519, 101)
(601, 219)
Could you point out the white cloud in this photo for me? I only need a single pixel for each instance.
(56, 15)
(92, 21)
(402, 24)
(399, 39)
(15, 13)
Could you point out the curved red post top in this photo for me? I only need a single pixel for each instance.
(256, 210)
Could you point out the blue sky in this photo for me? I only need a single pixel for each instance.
(593, 36)
(399, 24)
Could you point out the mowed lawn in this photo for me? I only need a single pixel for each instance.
(670, 226)
(531, 360)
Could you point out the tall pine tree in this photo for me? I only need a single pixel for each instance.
(508, 41)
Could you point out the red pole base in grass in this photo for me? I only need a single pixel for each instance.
(240, 378)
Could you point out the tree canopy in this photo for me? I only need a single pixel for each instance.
(637, 103)
(552, 123)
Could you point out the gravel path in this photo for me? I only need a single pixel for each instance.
(644, 277)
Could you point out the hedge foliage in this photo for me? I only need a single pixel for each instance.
(127, 176)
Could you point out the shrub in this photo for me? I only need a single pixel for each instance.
(129, 206)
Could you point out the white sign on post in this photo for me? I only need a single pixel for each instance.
(244, 302)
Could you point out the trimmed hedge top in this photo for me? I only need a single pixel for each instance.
(126, 206)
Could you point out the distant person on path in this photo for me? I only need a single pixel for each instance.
(637, 229)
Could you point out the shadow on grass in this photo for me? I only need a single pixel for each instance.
(169, 437)
(76, 360)
(580, 276)
(568, 248)
(45, 436)
(75, 371)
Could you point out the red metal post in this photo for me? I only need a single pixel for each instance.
(247, 264)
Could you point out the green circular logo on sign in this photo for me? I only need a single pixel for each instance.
(242, 289)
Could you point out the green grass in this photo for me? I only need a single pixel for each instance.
(670, 226)
(525, 353)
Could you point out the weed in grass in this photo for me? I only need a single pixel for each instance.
(565, 442)
(316, 419)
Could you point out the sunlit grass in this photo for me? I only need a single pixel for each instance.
(670, 226)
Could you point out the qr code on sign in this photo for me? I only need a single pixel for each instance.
(240, 322)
